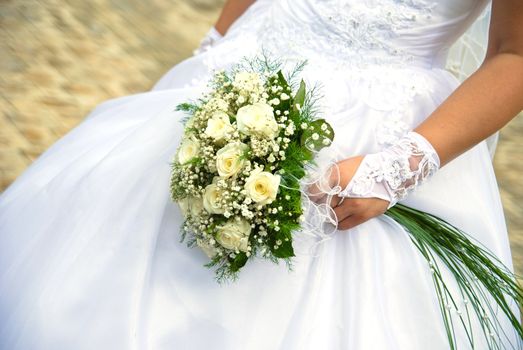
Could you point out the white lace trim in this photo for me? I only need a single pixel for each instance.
(395, 172)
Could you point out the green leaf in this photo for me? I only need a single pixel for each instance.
(239, 261)
(299, 98)
(282, 81)
(315, 127)
(285, 250)
(189, 107)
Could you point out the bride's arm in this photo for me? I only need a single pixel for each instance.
(490, 97)
(483, 104)
(230, 12)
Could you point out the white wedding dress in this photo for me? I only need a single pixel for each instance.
(90, 256)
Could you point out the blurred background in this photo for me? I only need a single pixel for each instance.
(60, 58)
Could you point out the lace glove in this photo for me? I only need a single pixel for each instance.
(208, 41)
(394, 172)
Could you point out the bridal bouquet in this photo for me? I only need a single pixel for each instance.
(237, 178)
(236, 175)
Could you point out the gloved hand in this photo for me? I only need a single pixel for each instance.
(208, 41)
(394, 172)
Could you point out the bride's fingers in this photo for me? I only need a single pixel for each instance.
(320, 190)
(330, 200)
(315, 193)
(345, 209)
(356, 211)
(352, 221)
(320, 197)
(336, 201)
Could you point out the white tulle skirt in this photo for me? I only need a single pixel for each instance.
(90, 256)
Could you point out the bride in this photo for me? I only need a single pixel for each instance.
(90, 256)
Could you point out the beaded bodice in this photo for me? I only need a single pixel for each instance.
(378, 54)
(361, 32)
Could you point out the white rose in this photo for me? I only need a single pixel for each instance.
(262, 187)
(188, 150)
(218, 126)
(229, 160)
(212, 198)
(207, 248)
(257, 119)
(234, 234)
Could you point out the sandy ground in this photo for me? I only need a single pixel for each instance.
(61, 58)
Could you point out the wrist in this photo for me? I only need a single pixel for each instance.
(215, 34)
(396, 171)
(407, 164)
(209, 40)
